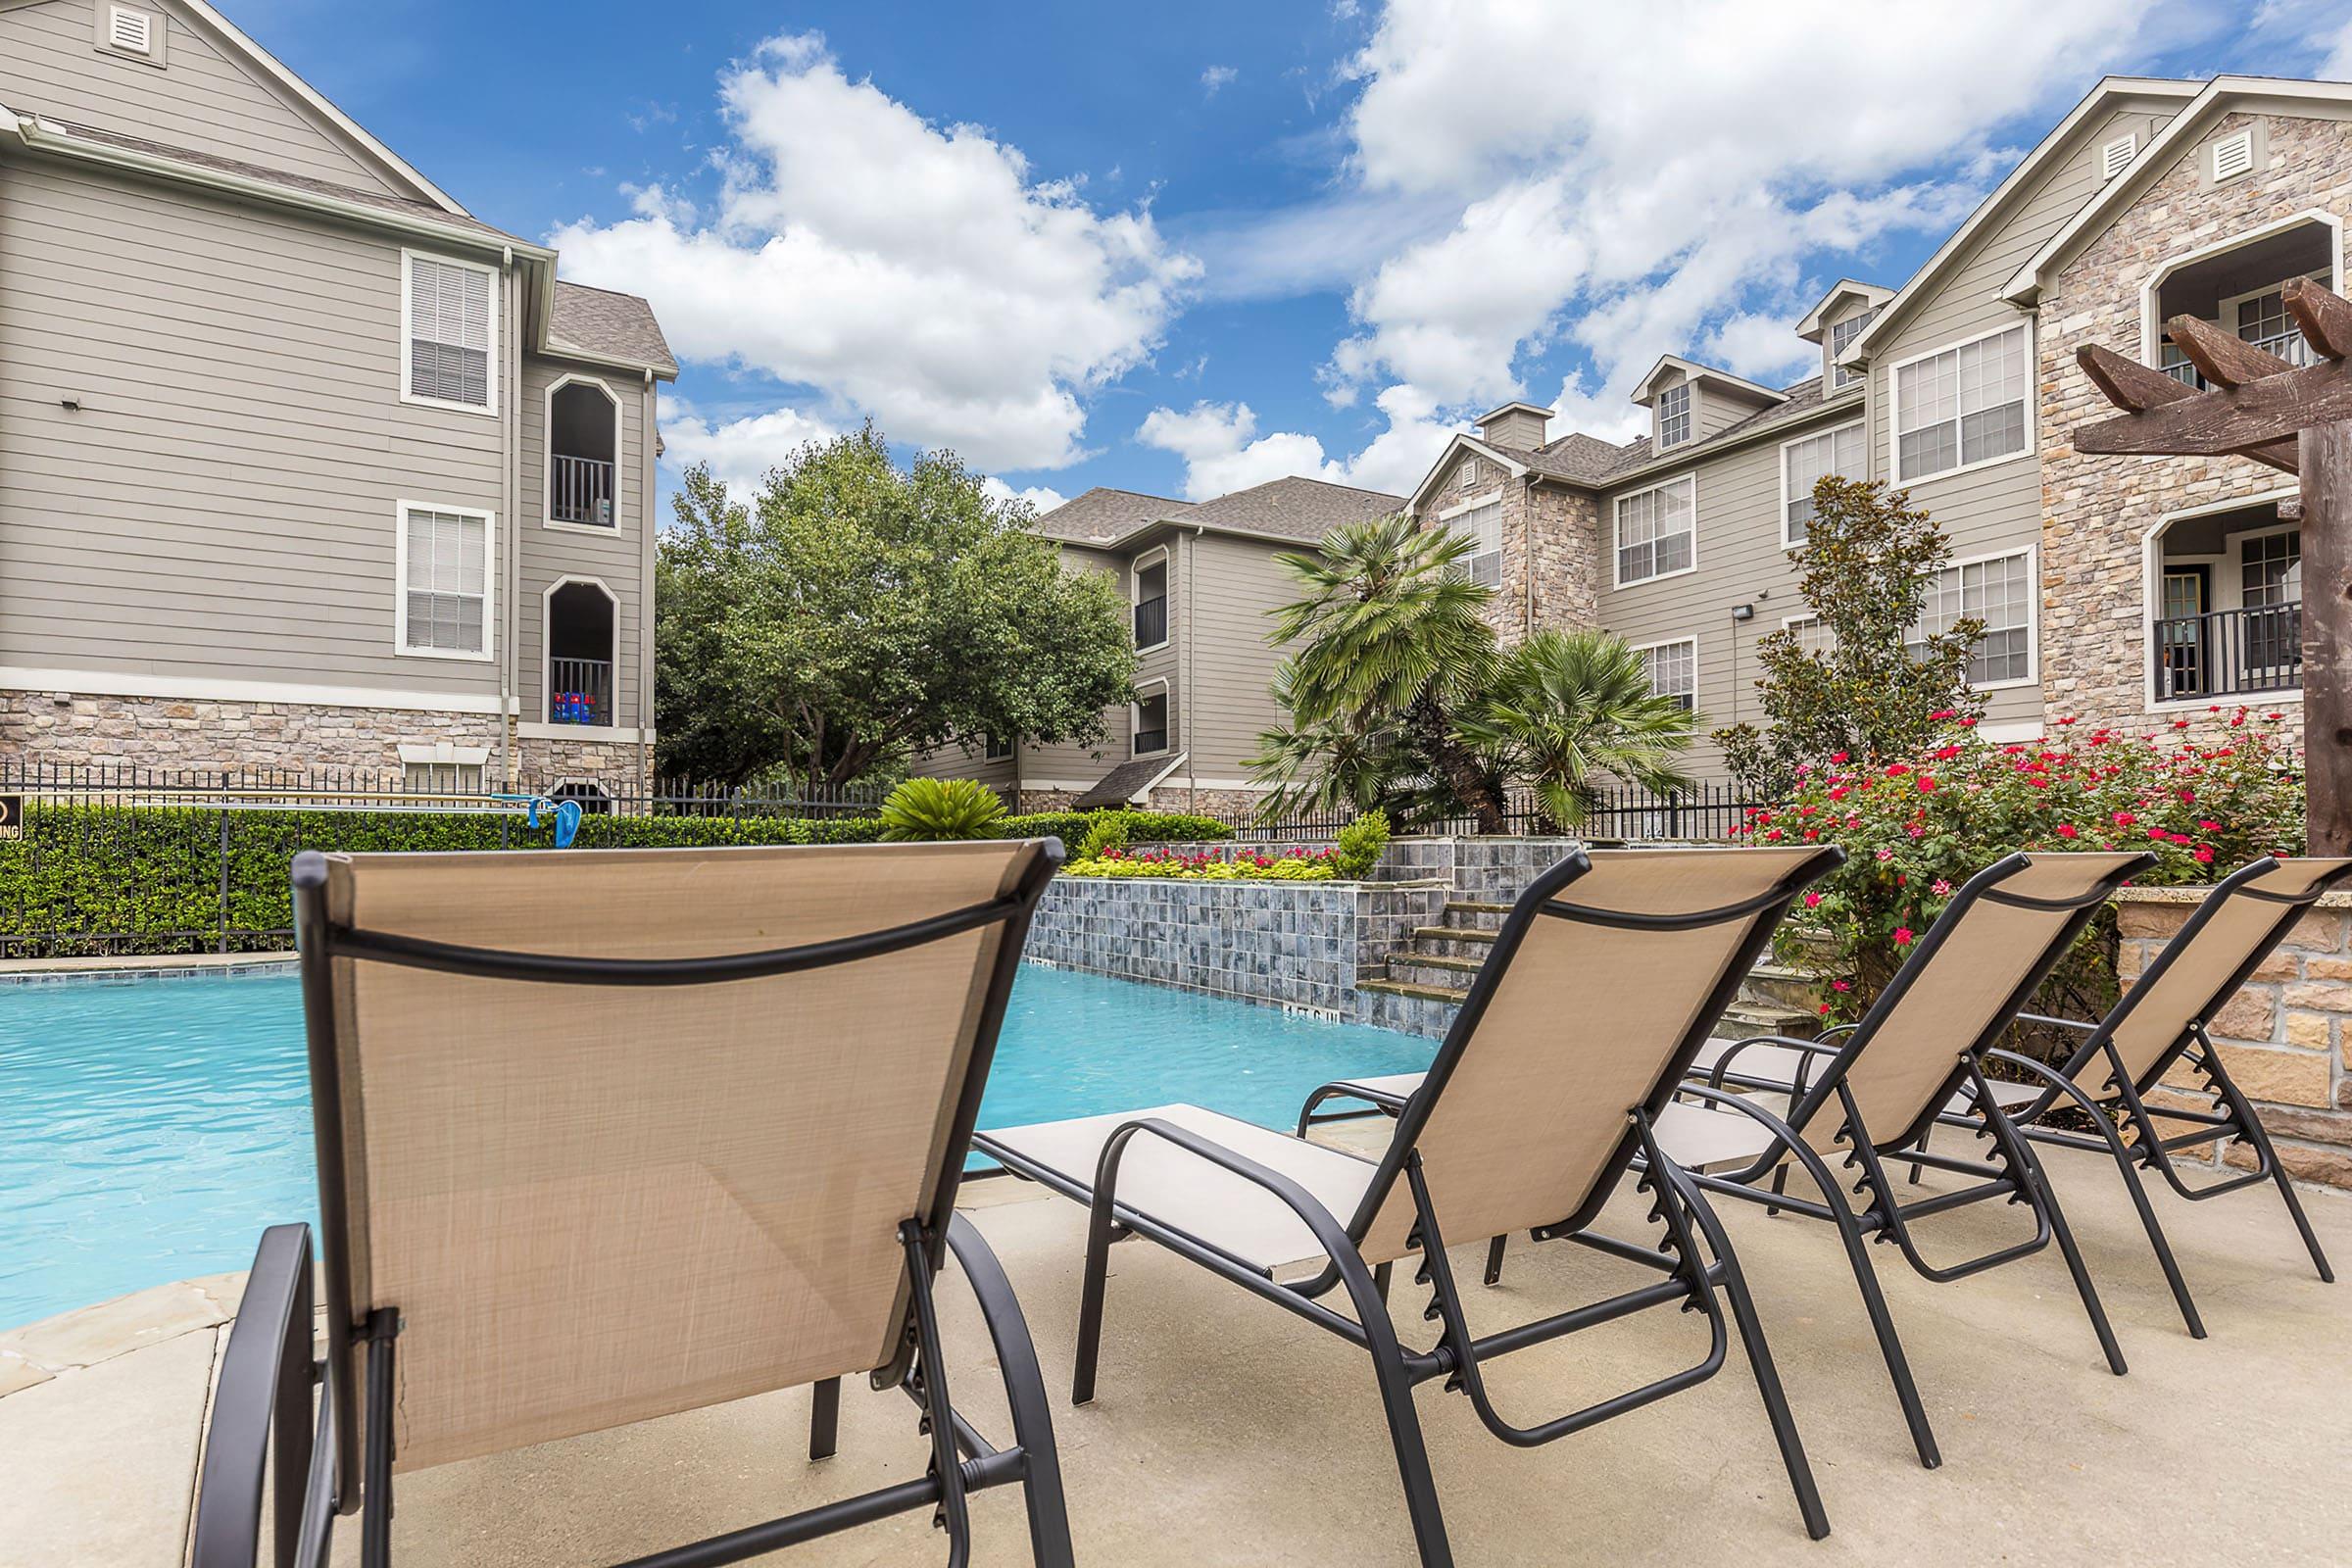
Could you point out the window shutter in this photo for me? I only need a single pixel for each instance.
(2233, 155)
(2117, 156)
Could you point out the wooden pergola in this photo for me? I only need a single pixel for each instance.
(2297, 419)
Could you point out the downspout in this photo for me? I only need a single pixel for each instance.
(1527, 562)
(647, 523)
(1184, 714)
(510, 485)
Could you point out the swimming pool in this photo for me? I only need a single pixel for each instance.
(150, 1130)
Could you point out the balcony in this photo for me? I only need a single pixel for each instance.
(1152, 622)
(581, 491)
(2231, 652)
(579, 691)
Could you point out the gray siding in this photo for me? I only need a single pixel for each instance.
(224, 504)
(614, 556)
(199, 98)
(1235, 582)
(1048, 766)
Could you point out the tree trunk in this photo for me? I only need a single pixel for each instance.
(2327, 466)
(1454, 766)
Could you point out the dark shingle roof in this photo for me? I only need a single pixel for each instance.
(609, 325)
(1580, 459)
(1099, 516)
(1125, 782)
(1298, 509)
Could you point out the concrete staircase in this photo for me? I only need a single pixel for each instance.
(1439, 961)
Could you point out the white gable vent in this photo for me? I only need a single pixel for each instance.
(131, 31)
(2117, 156)
(2233, 155)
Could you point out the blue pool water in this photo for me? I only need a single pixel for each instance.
(149, 1131)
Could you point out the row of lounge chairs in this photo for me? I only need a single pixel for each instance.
(577, 1175)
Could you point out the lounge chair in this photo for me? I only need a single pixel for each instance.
(2158, 1028)
(1604, 981)
(606, 1136)
(1871, 1098)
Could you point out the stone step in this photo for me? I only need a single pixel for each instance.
(1744, 1017)
(1778, 985)
(1401, 988)
(1433, 969)
(1452, 940)
(1472, 915)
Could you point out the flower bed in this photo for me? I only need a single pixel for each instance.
(1240, 866)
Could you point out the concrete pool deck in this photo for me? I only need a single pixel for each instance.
(1227, 1431)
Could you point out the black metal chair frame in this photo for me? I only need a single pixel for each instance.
(1458, 1358)
(2231, 1116)
(262, 1419)
(2009, 1170)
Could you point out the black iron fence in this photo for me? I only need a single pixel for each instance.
(1703, 813)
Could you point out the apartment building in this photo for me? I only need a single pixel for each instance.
(2127, 591)
(301, 465)
(1201, 580)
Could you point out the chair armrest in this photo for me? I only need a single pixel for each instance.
(266, 1375)
(2075, 1024)
(1719, 1074)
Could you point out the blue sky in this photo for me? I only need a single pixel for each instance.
(1184, 248)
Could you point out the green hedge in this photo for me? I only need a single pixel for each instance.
(96, 878)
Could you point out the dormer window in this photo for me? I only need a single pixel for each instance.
(1842, 335)
(1674, 416)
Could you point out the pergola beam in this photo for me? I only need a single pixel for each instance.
(2222, 359)
(2325, 318)
(2134, 386)
(2231, 420)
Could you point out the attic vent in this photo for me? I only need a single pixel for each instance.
(131, 31)
(2117, 156)
(2233, 155)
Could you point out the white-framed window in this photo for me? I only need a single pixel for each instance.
(1997, 590)
(448, 328)
(1844, 451)
(1843, 334)
(2117, 156)
(1811, 632)
(997, 748)
(2233, 155)
(443, 558)
(1964, 406)
(1674, 416)
(1674, 671)
(1657, 532)
(1148, 736)
(1480, 522)
(1149, 589)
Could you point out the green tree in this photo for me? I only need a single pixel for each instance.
(1875, 692)
(1389, 646)
(1570, 711)
(853, 613)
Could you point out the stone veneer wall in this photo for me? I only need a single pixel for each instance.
(624, 767)
(1295, 944)
(73, 729)
(2285, 1039)
(1552, 557)
(2095, 509)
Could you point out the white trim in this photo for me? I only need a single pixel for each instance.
(1672, 642)
(442, 754)
(1687, 386)
(1617, 522)
(547, 652)
(2151, 573)
(1454, 443)
(2033, 555)
(2030, 398)
(2016, 729)
(407, 259)
(1134, 719)
(1813, 328)
(199, 689)
(547, 455)
(150, 22)
(2115, 156)
(1491, 498)
(621, 735)
(1815, 435)
(2151, 325)
(1167, 591)
(1692, 370)
(2241, 144)
(399, 581)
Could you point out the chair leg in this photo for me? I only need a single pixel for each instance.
(2269, 1156)
(1024, 1392)
(2156, 1239)
(1495, 1260)
(1882, 1323)
(824, 1419)
(1090, 1313)
(1380, 1280)
(1916, 1167)
(2039, 1191)
(375, 1491)
(1780, 1184)
(1759, 1363)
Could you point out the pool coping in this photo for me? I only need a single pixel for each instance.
(144, 966)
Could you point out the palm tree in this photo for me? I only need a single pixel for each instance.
(1568, 710)
(1389, 643)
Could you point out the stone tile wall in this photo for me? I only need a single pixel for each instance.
(2285, 1038)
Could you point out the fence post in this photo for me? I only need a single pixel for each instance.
(224, 815)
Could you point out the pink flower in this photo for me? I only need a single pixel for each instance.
(2124, 819)
(1945, 713)
(1812, 901)
(1840, 985)
(2066, 830)
(1840, 757)
(1940, 888)
(2068, 720)
(1903, 936)
(2204, 854)
(1884, 856)
(1823, 1010)
(1926, 785)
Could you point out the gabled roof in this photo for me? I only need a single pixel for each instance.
(1128, 780)
(2182, 130)
(1101, 515)
(1292, 510)
(1696, 371)
(1846, 288)
(227, 33)
(602, 324)
(1956, 245)
(1514, 407)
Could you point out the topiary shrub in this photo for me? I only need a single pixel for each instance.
(938, 809)
(1360, 845)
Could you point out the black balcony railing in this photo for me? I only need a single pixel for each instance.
(2227, 653)
(579, 691)
(580, 490)
(1147, 741)
(1152, 622)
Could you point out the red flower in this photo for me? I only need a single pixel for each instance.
(2066, 830)
(1812, 901)
(1903, 936)
(1926, 785)
(1823, 1010)
(1945, 713)
(2124, 819)
(2204, 855)
(1840, 757)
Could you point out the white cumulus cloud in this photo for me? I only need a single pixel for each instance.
(739, 452)
(919, 274)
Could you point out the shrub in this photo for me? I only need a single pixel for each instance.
(936, 809)
(1914, 830)
(1243, 866)
(1109, 832)
(1360, 845)
(1143, 827)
